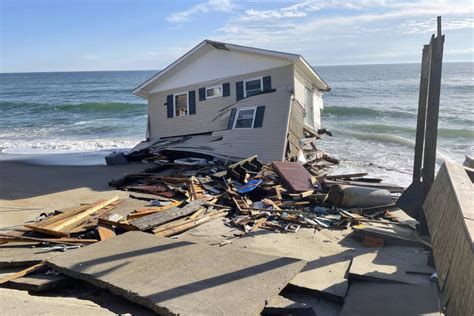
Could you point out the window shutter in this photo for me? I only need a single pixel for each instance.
(192, 102)
(230, 124)
(239, 87)
(169, 105)
(267, 83)
(259, 117)
(226, 89)
(202, 94)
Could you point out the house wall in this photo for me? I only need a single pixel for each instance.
(212, 115)
(210, 64)
(300, 82)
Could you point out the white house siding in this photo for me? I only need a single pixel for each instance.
(269, 140)
(213, 64)
(300, 83)
(206, 111)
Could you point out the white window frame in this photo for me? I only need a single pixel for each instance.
(174, 103)
(254, 108)
(214, 87)
(252, 79)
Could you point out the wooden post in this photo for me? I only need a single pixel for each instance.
(421, 120)
(432, 114)
(431, 137)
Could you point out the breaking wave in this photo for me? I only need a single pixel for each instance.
(74, 107)
(442, 132)
(364, 112)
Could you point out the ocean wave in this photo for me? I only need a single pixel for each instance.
(73, 107)
(442, 132)
(364, 112)
(379, 137)
(65, 145)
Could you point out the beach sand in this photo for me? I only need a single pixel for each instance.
(27, 190)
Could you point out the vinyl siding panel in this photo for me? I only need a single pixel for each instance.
(300, 82)
(269, 140)
(213, 64)
(213, 114)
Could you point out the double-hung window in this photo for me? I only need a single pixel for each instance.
(181, 104)
(214, 92)
(253, 86)
(245, 118)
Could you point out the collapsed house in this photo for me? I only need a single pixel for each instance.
(231, 102)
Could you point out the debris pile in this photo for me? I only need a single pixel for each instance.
(179, 195)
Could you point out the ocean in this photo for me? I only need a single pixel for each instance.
(371, 111)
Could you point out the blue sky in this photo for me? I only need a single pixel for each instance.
(76, 35)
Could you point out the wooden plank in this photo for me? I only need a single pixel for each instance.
(105, 231)
(61, 216)
(10, 238)
(92, 221)
(125, 226)
(153, 209)
(153, 220)
(346, 176)
(84, 214)
(191, 224)
(22, 273)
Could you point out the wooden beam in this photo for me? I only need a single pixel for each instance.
(12, 238)
(22, 273)
(84, 214)
(105, 231)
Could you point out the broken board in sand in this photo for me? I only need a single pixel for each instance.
(179, 277)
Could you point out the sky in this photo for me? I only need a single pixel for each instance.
(88, 35)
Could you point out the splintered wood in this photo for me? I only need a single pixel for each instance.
(61, 225)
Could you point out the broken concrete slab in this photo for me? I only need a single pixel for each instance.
(367, 298)
(179, 277)
(394, 235)
(325, 275)
(328, 261)
(23, 254)
(16, 302)
(392, 265)
(37, 282)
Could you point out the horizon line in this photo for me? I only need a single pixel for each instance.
(131, 70)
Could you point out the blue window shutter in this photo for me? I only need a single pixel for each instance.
(169, 105)
(226, 89)
(239, 87)
(267, 83)
(230, 124)
(259, 117)
(202, 94)
(192, 102)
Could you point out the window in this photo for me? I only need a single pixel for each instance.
(244, 118)
(181, 105)
(253, 86)
(214, 92)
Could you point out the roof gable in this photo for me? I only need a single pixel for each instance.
(212, 60)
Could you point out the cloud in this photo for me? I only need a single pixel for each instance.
(293, 11)
(307, 20)
(423, 26)
(201, 8)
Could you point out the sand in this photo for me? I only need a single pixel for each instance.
(27, 190)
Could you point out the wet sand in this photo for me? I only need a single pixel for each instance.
(27, 190)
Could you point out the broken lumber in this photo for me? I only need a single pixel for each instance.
(60, 228)
(22, 273)
(191, 224)
(12, 238)
(157, 219)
